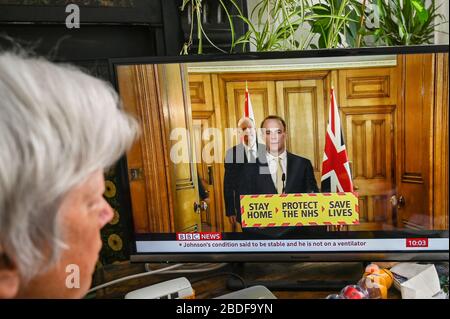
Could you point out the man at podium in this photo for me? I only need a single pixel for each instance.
(282, 172)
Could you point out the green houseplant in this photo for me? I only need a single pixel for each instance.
(277, 24)
(407, 22)
(338, 23)
(282, 25)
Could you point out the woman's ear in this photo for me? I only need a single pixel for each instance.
(9, 278)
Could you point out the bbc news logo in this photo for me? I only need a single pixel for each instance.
(416, 242)
(199, 236)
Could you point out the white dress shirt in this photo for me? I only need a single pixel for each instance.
(272, 161)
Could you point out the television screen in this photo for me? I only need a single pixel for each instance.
(315, 155)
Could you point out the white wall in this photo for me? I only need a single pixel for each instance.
(300, 33)
(441, 38)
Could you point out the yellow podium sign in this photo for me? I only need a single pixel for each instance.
(313, 209)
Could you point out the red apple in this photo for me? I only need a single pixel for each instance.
(354, 292)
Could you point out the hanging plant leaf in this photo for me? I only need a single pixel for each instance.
(421, 12)
(322, 41)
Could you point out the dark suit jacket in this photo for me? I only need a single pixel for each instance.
(299, 177)
(239, 177)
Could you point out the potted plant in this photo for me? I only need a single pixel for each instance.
(281, 25)
(407, 22)
(338, 23)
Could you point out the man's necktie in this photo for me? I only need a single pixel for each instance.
(251, 156)
(279, 176)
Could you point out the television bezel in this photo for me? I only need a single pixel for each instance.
(295, 256)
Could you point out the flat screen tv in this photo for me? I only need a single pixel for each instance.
(380, 115)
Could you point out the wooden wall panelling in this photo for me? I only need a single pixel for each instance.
(262, 96)
(302, 105)
(370, 145)
(175, 99)
(200, 92)
(367, 102)
(273, 76)
(222, 223)
(333, 82)
(441, 156)
(209, 110)
(369, 87)
(262, 93)
(207, 167)
(201, 122)
(149, 183)
(415, 127)
(219, 112)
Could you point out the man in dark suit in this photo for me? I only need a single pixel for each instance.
(241, 169)
(282, 172)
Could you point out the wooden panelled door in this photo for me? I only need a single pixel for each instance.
(204, 170)
(150, 190)
(303, 106)
(368, 104)
(205, 117)
(298, 97)
(176, 105)
(164, 191)
(422, 175)
(262, 98)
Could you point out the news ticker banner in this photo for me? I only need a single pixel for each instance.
(293, 245)
(287, 210)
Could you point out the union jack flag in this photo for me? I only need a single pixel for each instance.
(336, 174)
(248, 108)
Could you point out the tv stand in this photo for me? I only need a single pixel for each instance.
(296, 276)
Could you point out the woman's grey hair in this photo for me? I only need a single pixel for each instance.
(58, 125)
